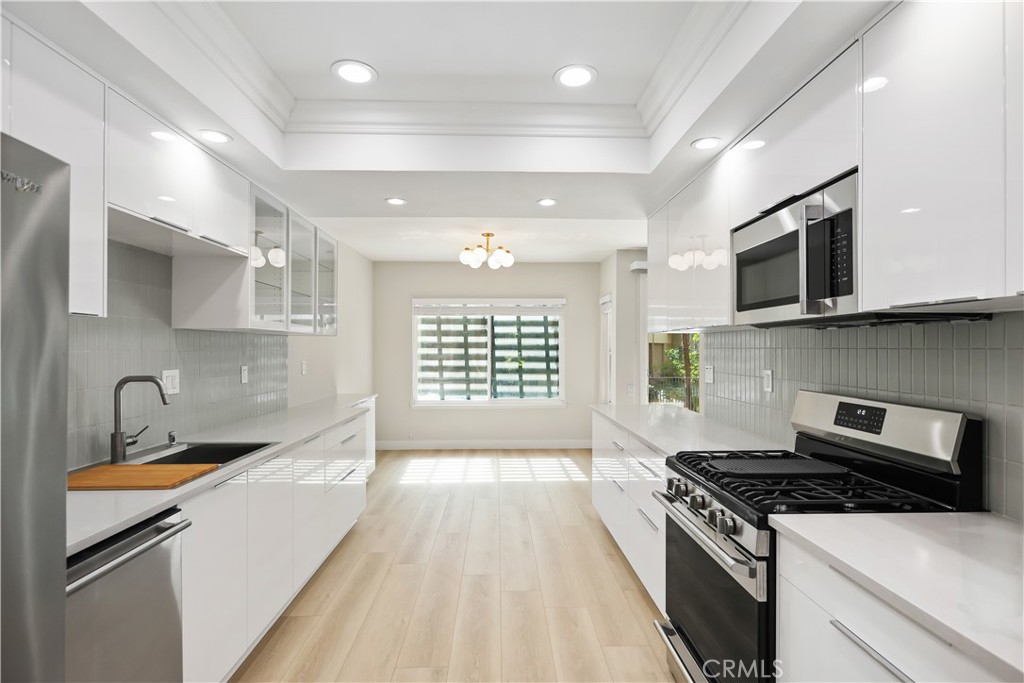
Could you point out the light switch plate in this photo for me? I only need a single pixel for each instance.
(708, 377)
(630, 390)
(304, 367)
(245, 374)
(766, 381)
(170, 379)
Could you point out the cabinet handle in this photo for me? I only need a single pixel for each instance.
(647, 519)
(937, 302)
(217, 242)
(349, 438)
(646, 467)
(349, 474)
(311, 439)
(778, 205)
(619, 485)
(618, 445)
(228, 481)
(173, 226)
(870, 651)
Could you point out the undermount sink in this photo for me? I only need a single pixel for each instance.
(202, 454)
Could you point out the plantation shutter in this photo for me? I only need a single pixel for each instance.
(476, 350)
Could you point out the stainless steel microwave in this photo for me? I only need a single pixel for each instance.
(798, 259)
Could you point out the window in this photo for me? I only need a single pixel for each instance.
(674, 369)
(487, 351)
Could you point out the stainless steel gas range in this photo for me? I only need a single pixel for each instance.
(851, 456)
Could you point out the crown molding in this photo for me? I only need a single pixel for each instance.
(704, 28)
(213, 33)
(367, 117)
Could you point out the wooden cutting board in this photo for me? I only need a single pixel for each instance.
(141, 477)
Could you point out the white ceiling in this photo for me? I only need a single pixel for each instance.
(465, 119)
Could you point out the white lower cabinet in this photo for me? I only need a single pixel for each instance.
(269, 534)
(310, 508)
(345, 466)
(213, 581)
(371, 434)
(832, 629)
(621, 488)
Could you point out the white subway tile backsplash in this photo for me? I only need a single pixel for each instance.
(137, 338)
(974, 367)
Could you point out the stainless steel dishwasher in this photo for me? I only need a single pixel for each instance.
(124, 605)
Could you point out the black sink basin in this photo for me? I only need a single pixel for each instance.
(209, 454)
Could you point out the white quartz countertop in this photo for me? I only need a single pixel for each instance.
(959, 575)
(95, 515)
(671, 429)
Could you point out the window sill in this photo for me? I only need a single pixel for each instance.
(506, 403)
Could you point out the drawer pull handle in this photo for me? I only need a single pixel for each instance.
(618, 485)
(618, 445)
(647, 519)
(349, 438)
(349, 474)
(648, 468)
(311, 439)
(870, 651)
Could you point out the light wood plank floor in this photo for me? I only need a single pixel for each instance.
(470, 566)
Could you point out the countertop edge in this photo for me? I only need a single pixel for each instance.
(208, 481)
(905, 607)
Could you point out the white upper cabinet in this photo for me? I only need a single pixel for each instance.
(1014, 147)
(698, 283)
(810, 139)
(221, 207)
(150, 166)
(270, 271)
(302, 273)
(933, 177)
(657, 271)
(52, 104)
(326, 283)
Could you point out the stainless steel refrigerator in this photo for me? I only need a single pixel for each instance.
(33, 401)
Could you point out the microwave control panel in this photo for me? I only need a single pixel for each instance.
(841, 253)
(860, 417)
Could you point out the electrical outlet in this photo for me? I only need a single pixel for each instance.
(304, 367)
(630, 390)
(245, 374)
(170, 380)
(766, 381)
(708, 375)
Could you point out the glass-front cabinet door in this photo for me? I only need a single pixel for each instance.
(326, 284)
(302, 258)
(268, 260)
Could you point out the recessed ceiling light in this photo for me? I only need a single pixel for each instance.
(165, 198)
(354, 72)
(912, 209)
(547, 201)
(396, 201)
(874, 83)
(575, 75)
(164, 135)
(705, 143)
(752, 144)
(214, 135)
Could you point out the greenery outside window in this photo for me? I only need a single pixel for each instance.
(479, 352)
(674, 369)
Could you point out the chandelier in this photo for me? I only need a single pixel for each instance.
(495, 257)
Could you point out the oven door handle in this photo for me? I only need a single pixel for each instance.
(744, 569)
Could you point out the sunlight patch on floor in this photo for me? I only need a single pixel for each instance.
(490, 470)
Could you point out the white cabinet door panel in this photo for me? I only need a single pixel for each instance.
(59, 108)
(213, 570)
(933, 172)
(657, 271)
(308, 504)
(345, 464)
(221, 212)
(1014, 147)
(269, 535)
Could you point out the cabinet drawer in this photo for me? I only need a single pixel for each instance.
(335, 435)
(917, 652)
(644, 548)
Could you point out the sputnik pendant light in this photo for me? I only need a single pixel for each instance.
(495, 257)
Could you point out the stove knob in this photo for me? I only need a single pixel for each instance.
(697, 502)
(714, 514)
(674, 486)
(726, 525)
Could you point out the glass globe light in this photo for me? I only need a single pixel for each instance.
(494, 262)
(277, 257)
(466, 256)
(475, 264)
(677, 262)
(698, 257)
(256, 258)
(480, 253)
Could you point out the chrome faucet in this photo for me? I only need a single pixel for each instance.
(119, 443)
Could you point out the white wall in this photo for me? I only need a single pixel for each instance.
(629, 318)
(342, 364)
(399, 425)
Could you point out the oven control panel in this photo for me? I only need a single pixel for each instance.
(860, 417)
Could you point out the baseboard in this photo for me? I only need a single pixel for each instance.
(482, 444)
